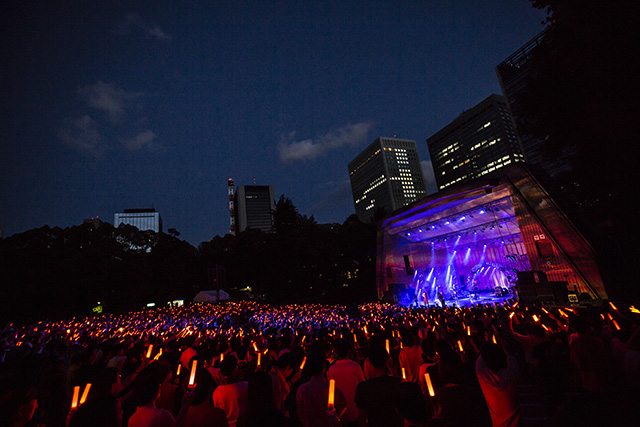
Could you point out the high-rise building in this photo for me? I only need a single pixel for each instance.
(513, 74)
(254, 206)
(143, 219)
(386, 176)
(479, 141)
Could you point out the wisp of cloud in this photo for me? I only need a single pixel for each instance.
(308, 149)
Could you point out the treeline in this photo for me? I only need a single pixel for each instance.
(54, 273)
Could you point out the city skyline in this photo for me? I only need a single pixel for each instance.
(108, 106)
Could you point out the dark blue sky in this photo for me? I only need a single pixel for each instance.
(112, 105)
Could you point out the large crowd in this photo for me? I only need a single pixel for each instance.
(250, 364)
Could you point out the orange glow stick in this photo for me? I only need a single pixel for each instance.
(192, 377)
(178, 372)
(332, 392)
(221, 357)
(511, 315)
(85, 393)
(149, 350)
(355, 338)
(493, 338)
(613, 306)
(303, 362)
(616, 325)
(76, 394)
(427, 378)
(158, 355)
(535, 318)
(610, 316)
(469, 330)
(255, 347)
(460, 346)
(259, 354)
(387, 346)
(404, 374)
(602, 315)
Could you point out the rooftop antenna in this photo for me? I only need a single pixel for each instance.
(232, 220)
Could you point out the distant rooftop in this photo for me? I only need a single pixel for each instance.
(143, 210)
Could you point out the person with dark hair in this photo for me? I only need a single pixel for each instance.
(412, 406)
(497, 371)
(202, 413)
(231, 395)
(147, 392)
(410, 357)
(589, 355)
(430, 363)
(262, 411)
(100, 411)
(347, 374)
(279, 374)
(312, 396)
(459, 403)
(374, 397)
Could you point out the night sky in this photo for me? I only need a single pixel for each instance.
(112, 105)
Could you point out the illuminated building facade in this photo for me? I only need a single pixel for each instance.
(498, 235)
(143, 219)
(478, 142)
(387, 175)
(513, 74)
(254, 206)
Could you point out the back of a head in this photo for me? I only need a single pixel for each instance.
(100, 411)
(579, 324)
(450, 368)
(146, 390)
(428, 346)
(260, 392)
(411, 403)
(316, 363)
(494, 357)
(284, 361)
(341, 348)
(228, 366)
(204, 386)
(378, 357)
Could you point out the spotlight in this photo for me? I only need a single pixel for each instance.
(481, 212)
(409, 234)
(420, 230)
(462, 218)
(446, 222)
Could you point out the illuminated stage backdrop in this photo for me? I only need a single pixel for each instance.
(473, 238)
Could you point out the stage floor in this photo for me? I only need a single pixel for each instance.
(481, 298)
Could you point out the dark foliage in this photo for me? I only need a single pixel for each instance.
(54, 273)
(582, 99)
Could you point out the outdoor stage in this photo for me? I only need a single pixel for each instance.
(495, 238)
